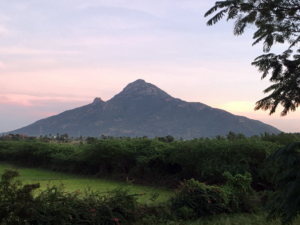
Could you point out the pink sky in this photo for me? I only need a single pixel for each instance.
(58, 55)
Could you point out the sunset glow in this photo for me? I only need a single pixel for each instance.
(59, 55)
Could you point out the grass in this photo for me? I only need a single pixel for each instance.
(73, 183)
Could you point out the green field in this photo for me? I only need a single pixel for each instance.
(74, 183)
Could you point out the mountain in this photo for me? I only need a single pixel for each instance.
(144, 109)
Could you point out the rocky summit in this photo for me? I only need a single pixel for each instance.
(142, 109)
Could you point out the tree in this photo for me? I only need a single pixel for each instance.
(286, 204)
(64, 137)
(90, 140)
(103, 136)
(170, 138)
(277, 21)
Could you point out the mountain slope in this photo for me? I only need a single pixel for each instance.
(143, 109)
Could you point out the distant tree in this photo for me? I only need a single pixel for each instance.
(277, 21)
(15, 137)
(231, 136)
(256, 137)
(64, 137)
(219, 137)
(163, 139)
(169, 138)
(32, 138)
(90, 140)
(240, 136)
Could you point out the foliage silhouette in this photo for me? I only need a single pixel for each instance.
(276, 21)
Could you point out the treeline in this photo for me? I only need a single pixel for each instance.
(160, 161)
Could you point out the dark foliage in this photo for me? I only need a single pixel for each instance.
(194, 199)
(286, 204)
(164, 163)
(18, 206)
(277, 21)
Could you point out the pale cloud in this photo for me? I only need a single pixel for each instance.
(30, 101)
(5, 18)
(40, 114)
(4, 31)
(289, 123)
(31, 51)
(2, 65)
(244, 108)
(160, 8)
(238, 106)
(13, 100)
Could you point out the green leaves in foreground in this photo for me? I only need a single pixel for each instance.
(286, 205)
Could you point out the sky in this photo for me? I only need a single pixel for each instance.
(59, 55)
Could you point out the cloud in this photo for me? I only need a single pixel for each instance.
(4, 31)
(238, 106)
(246, 108)
(30, 101)
(13, 100)
(2, 65)
(43, 114)
(31, 51)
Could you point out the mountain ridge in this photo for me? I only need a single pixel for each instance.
(142, 109)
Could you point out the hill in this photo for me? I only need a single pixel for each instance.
(142, 109)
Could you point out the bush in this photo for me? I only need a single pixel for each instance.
(194, 199)
(53, 206)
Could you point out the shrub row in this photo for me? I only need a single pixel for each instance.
(150, 160)
(54, 206)
(192, 200)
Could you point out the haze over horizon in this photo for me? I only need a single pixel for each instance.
(56, 56)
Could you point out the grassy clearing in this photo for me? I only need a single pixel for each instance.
(73, 183)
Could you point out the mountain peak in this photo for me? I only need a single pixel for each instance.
(141, 87)
(138, 84)
(97, 99)
(139, 81)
